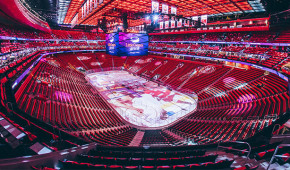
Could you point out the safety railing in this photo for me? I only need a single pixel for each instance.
(248, 151)
(275, 155)
(274, 129)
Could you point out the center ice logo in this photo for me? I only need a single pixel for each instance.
(134, 39)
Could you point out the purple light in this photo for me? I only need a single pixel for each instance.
(62, 96)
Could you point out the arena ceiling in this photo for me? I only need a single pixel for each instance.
(58, 12)
(69, 8)
(63, 11)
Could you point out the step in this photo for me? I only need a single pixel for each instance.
(137, 139)
(174, 135)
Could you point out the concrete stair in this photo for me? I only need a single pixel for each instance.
(283, 38)
(173, 135)
(137, 139)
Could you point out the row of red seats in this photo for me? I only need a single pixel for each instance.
(54, 34)
(272, 59)
(155, 137)
(208, 165)
(187, 75)
(120, 136)
(227, 36)
(66, 94)
(136, 161)
(209, 131)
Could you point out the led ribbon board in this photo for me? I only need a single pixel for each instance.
(127, 44)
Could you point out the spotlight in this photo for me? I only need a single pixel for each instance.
(147, 17)
(155, 17)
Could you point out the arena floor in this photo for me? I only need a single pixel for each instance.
(141, 102)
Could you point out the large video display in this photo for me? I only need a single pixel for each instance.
(131, 44)
(112, 43)
(127, 44)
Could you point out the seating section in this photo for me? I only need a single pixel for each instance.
(45, 40)
(268, 56)
(175, 158)
(106, 158)
(213, 131)
(55, 108)
(8, 47)
(233, 102)
(284, 37)
(19, 133)
(255, 36)
(62, 98)
(120, 136)
(156, 137)
(54, 34)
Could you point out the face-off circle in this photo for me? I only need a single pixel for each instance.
(96, 63)
(83, 58)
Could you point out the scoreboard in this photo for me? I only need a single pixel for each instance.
(127, 44)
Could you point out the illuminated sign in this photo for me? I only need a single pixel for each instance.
(112, 43)
(127, 44)
(131, 44)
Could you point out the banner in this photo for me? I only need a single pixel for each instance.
(82, 12)
(164, 8)
(100, 2)
(195, 18)
(186, 23)
(95, 3)
(74, 20)
(179, 23)
(85, 10)
(88, 7)
(91, 5)
(155, 7)
(203, 19)
(173, 10)
(161, 25)
(172, 24)
(166, 24)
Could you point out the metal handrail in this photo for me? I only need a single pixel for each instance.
(238, 142)
(274, 129)
(276, 150)
(10, 106)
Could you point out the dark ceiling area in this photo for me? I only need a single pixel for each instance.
(275, 6)
(49, 8)
(46, 8)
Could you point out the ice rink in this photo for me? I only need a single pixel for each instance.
(140, 102)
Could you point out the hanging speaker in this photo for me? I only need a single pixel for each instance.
(125, 21)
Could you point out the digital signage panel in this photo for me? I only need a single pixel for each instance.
(127, 44)
(133, 44)
(112, 43)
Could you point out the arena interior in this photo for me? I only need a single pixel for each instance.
(145, 84)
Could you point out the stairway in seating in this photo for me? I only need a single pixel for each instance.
(137, 139)
(173, 135)
(284, 37)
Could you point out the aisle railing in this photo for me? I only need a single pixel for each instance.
(235, 149)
